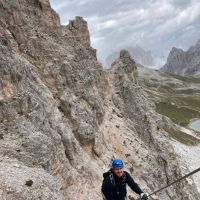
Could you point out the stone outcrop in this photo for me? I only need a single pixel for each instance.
(79, 30)
(63, 118)
(183, 62)
(126, 65)
(140, 56)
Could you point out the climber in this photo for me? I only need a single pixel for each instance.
(114, 183)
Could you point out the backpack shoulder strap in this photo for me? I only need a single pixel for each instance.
(124, 178)
(112, 180)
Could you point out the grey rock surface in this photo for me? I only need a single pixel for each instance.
(138, 53)
(79, 30)
(183, 62)
(63, 118)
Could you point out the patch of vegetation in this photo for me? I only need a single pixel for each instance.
(157, 87)
(131, 198)
(165, 89)
(183, 137)
(153, 79)
(188, 79)
(191, 101)
(150, 84)
(153, 95)
(179, 115)
(179, 102)
(187, 91)
(29, 183)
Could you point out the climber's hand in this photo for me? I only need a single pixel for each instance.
(144, 196)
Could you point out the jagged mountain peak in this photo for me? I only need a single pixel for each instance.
(124, 54)
(79, 29)
(183, 62)
(138, 53)
(125, 58)
(175, 49)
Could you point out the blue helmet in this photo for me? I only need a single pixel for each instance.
(117, 163)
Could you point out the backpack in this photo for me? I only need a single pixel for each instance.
(109, 174)
(112, 180)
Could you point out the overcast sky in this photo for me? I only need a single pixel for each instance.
(155, 25)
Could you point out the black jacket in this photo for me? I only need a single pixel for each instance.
(118, 191)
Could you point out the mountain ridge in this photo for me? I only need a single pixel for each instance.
(183, 62)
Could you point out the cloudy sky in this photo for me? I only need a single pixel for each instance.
(155, 25)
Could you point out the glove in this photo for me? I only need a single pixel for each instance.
(144, 196)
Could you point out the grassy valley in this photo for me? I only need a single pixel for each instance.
(176, 97)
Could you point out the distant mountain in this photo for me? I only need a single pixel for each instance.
(137, 53)
(183, 62)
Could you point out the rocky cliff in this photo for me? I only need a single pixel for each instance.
(63, 118)
(183, 62)
(139, 54)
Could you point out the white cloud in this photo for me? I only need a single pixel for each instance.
(155, 25)
(182, 19)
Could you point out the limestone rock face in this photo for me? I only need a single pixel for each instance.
(183, 62)
(79, 29)
(125, 65)
(63, 118)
